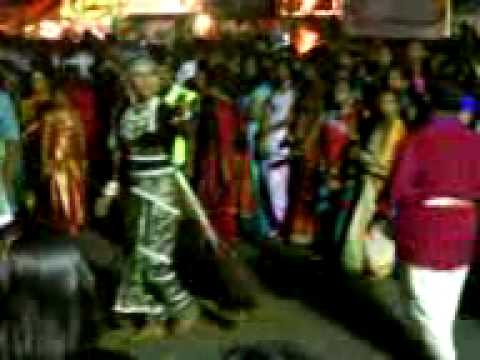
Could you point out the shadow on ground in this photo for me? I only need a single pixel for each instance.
(352, 303)
(361, 307)
(100, 354)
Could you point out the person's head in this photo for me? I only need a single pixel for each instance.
(268, 68)
(385, 56)
(235, 65)
(343, 93)
(145, 77)
(283, 72)
(220, 80)
(310, 72)
(48, 291)
(251, 67)
(468, 109)
(445, 96)
(268, 351)
(39, 82)
(165, 77)
(388, 104)
(60, 98)
(418, 111)
(396, 80)
(216, 58)
(201, 79)
(416, 51)
(345, 60)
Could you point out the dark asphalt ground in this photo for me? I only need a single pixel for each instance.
(325, 314)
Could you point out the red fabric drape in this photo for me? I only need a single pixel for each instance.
(14, 17)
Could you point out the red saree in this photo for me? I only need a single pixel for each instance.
(225, 185)
(303, 223)
(336, 136)
(83, 99)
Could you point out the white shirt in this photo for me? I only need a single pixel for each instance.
(281, 106)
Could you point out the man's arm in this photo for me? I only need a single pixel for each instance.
(112, 188)
(404, 174)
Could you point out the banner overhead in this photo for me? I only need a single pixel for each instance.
(423, 19)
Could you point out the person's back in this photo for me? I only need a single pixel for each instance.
(449, 151)
(440, 162)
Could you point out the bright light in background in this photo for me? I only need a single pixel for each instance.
(302, 8)
(308, 6)
(193, 5)
(159, 6)
(286, 39)
(29, 29)
(49, 29)
(203, 25)
(98, 30)
(306, 40)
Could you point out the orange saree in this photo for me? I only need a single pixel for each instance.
(64, 165)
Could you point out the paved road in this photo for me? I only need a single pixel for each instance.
(277, 320)
(328, 316)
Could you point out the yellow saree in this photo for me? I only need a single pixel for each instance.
(378, 161)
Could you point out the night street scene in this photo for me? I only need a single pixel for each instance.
(239, 179)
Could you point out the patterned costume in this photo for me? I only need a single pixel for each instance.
(152, 188)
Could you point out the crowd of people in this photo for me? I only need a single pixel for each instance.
(258, 143)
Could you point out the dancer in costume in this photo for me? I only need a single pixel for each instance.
(151, 189)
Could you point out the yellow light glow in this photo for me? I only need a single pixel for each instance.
(193, 5)
(203, 25)
(29, 29)
(306, 40)
(49, 29)
(134, 7)
(89, 9)
(307, 8)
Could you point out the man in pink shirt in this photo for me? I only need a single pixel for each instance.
(435, 183)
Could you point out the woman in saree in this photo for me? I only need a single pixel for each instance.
(10, 159)
(64, 166)
(254, 106)
(40, 94)
(338, 130)
(225, 188)
(377, 162)
(340, 139)
(417, 57)
(274, 150)
(224, 176)
(302, 220)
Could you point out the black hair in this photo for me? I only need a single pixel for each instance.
(275, 350)
(423, 109)
(445, 95)
(46, 283)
